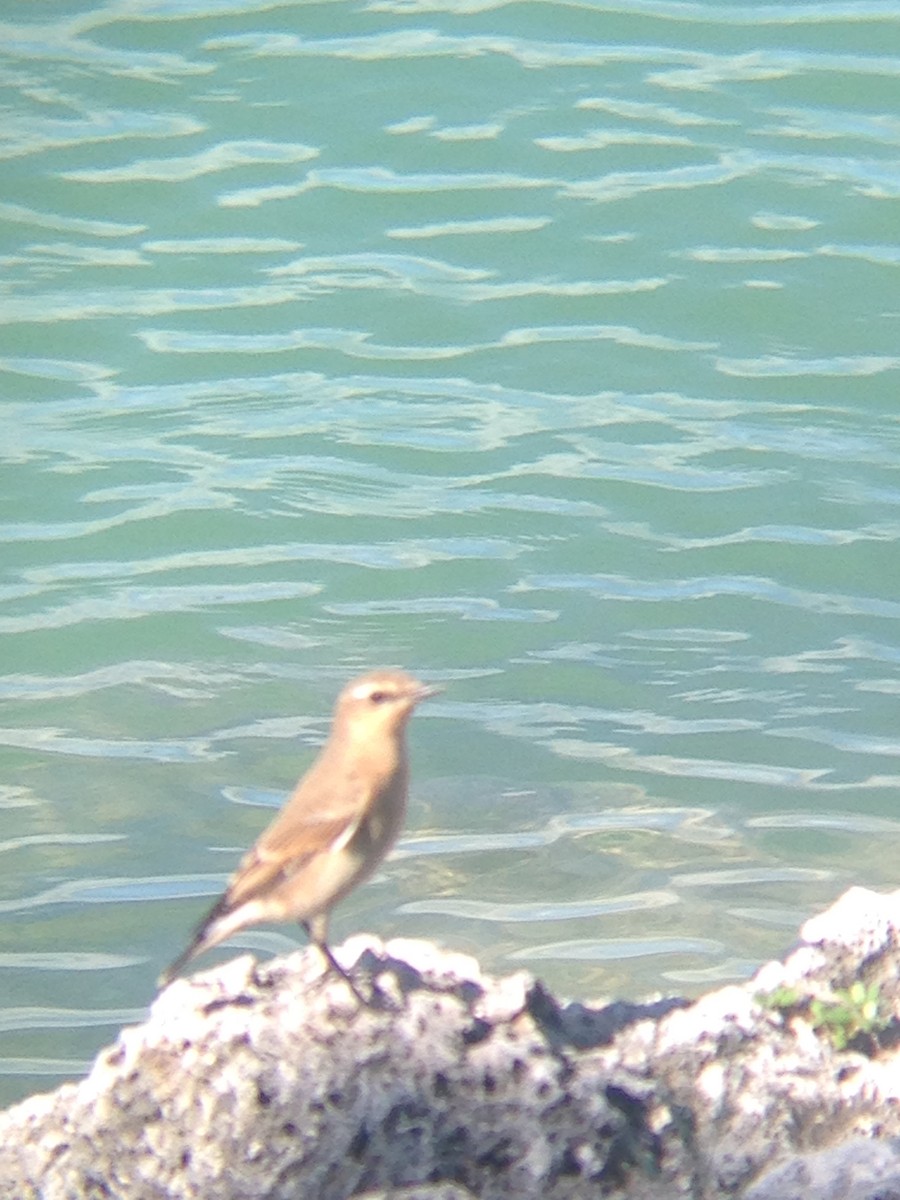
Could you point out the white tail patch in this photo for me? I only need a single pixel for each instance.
(250, 913)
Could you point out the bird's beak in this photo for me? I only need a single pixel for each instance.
(424, 691)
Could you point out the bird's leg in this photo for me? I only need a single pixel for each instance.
(333, 963)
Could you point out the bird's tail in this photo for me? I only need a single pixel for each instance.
(175, 968)
(205, 935)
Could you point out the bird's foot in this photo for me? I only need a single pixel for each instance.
(377, 999)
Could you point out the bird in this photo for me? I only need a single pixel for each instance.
(337, 826)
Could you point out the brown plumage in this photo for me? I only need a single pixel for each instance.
(339, 823)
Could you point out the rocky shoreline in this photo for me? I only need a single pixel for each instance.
(272, 1081)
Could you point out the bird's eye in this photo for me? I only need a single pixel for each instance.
(379, 697)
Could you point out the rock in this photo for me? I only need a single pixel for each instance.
(271, 1081)
(425, 1191)
(859, 1169)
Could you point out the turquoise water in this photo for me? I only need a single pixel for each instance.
(548, 350)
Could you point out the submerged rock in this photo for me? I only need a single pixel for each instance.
(273, 1081)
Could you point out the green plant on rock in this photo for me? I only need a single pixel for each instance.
(850, 1012)
(782, 998)
(842, 1015)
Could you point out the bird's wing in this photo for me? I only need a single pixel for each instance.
(321, 815)
(334, 793)
(283, 851)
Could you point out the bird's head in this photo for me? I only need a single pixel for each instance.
(378, 704)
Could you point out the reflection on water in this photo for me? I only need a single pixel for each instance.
(550, 353)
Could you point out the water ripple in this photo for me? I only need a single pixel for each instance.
(426, 43)
(67, 1018)
(849, 822)
(222, 245)
(65, 960)
(794, 535)
(59, 839)
(620, 587)
(83, 305)
(473, 843)
(724, 877)
(856, 743)
(613, 949)
(108, 891)
(188, 681)
(627, 185)
(223, 157)
(383, 180)
(23, 136)
(770, 365)
(134, 602)
(16, 796)
(467, 608)
(66, 1068)
(478, 910)
(46, 740)
(410, 554)
(62, 41)
(473, 228)
(679, 11)
(623, 758)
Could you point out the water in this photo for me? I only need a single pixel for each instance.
(547, 350)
